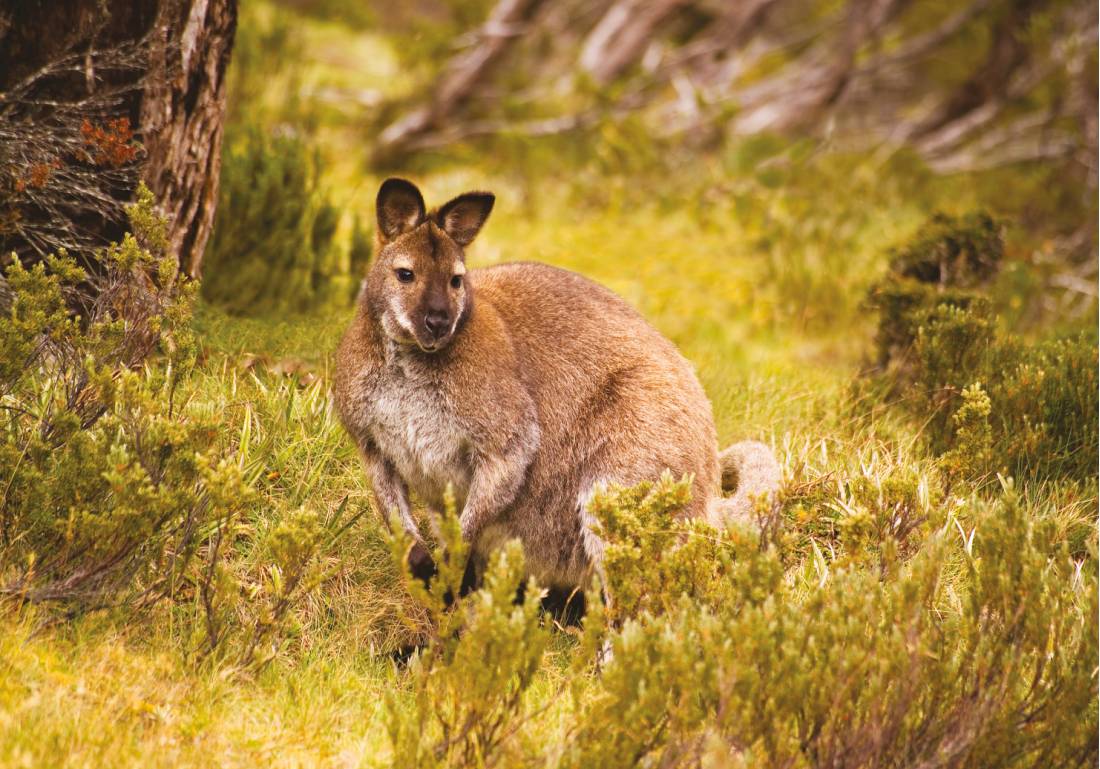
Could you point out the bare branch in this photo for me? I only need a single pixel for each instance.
(622, 35)
(461, 75)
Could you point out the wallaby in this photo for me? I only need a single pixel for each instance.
(523, 386)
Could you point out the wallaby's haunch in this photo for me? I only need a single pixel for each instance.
(524, 386)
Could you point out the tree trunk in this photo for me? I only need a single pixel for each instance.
(96, 98)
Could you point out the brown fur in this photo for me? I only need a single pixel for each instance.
(549, 386)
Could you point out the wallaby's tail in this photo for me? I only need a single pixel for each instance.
(749, 471)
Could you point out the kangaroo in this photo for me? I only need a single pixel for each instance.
(524, 387)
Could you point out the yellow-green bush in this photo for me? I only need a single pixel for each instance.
(898, 667)
(469, 681)
(976, 651)
(654, 559)
(115, 489)
(939, 335)
(272, 248)
(108, 488)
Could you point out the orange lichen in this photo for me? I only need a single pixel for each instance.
(109, 145)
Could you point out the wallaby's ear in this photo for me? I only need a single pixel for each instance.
(462, 217)
(400, 208)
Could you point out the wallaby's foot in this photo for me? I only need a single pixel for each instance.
(565, 605)
(422, 566)
(420, 563)
(402, 654)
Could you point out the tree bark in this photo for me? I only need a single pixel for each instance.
(70, 67)
(182, 113)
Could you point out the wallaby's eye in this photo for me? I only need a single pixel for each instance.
(456, 281)
(405, 276)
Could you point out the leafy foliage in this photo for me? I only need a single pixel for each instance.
(972, 455)
(974, 651)
(107, 487)
(938, 335)
(117, 490)
(272, 248)
(468, 683)
(653, 560)
(866, 669)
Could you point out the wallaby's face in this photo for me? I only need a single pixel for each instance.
(417, 286)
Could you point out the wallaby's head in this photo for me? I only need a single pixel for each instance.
(416, 287)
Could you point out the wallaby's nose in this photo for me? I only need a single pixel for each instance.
(438, 322)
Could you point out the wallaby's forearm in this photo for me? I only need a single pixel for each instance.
(390, 492)
(496, 481)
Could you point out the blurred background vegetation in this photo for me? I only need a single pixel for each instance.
(604, 109)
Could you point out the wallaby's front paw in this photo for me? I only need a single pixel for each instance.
(420, 563)
(466, 525)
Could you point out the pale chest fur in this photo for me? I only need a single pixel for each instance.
(412, 425)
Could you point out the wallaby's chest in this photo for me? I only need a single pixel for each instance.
(413, 425)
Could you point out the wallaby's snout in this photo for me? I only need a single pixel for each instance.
(416, 288)
(438, 321)
(442, 303)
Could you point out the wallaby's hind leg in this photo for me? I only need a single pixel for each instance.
(591, 541)
(565, 605)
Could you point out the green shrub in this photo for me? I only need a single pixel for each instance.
(938, 335)
(468, 683)
(109, 489)
(1046, 412)
(653, 558)
(118, 489)
(908, 665)
(946, 261)
(963, 252)
(272, 248)
(972, 455)
(971, 645)
(261, 585)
